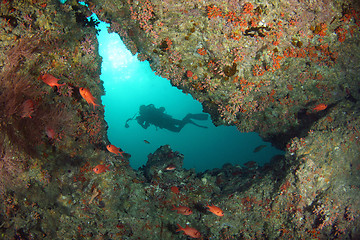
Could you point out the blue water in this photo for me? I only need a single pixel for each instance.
(130, 83)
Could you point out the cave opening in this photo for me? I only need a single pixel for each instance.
(68, 186)
(130, 83)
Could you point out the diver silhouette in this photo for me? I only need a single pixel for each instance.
(150, 115)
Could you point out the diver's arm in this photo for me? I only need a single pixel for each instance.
(146, 125)
(142, 123)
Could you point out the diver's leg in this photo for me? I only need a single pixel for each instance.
(199, 116)
(187, 119)
(173, 125)
(174, 128)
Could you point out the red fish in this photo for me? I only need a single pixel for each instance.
(50, 132)
(101, 168)
(89, 98)
(182, 210)
(50, 80)
(170, 167)
(191, 232)
(320, 107)
(113, 149)
(175, 189)
(251, 164)
(27, 108)
(216, 210)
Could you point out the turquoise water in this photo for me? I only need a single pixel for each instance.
(130, 83)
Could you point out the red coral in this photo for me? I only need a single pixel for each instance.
(202, 51)
(248, 8)
(189, 73)
(320, 29)
(341, 33)
(213, 12)
(258, 70)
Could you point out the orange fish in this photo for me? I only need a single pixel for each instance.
(113, 149)
(182, 210)
(191, 232)
(320, 107)
(27, 108)
(101, 168)
(89, 98)
(170, 167)
(146, 141)
(50, 80)
(216, 210)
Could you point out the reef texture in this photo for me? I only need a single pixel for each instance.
(257, 65)
(288, 70)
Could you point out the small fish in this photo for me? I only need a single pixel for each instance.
(251, 164)
(182, 210)
(113, 149)
(175, 189)
(27, 108)
(259, 148)
(50, 80)
(101, 168)
(50, 132)
(237, 172)
(216, 210)
(191, 232)
(170, 167)
(320, 107)
(89, 98)
(146, 141)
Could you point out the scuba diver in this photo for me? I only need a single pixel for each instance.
(156, 116)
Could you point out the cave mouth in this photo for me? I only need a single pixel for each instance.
(130, 83)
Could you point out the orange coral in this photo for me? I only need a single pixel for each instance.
(201, 51)
(258, 70)
(236, 36)
(189, 73)
(341, 33)
(247, 8)
(320, 29)
(214, 12)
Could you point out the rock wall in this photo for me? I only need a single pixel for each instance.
(286, 69)
(266, 66)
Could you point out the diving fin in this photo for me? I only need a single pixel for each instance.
(198, 125)
(199, 116)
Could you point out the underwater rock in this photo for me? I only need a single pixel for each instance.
(162, 160)
(249, 64)
(256, 66)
